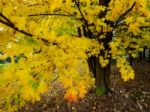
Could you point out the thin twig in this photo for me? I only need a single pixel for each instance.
(51, 15)
(54, 79)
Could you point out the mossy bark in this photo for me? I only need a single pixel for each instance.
(102, 78)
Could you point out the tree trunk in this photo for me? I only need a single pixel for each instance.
(149, 55)
(140, 56)
(102, 78)
(101, 74)
(92, 65)
(130, 60)
(144, 52)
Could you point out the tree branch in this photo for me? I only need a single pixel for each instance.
(83, 18)
(11, 25)
(51, 15)
(54, 80)
(124, 14)
(15, 28)
(5, 18)
(78, 6)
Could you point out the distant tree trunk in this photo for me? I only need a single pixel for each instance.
(79, 32)
(140, 56)
(130, 60)
(149, 54)
(144, 50)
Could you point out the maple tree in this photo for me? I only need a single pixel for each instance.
(68, 41)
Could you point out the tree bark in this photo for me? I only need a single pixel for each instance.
(92, 65)
(130, 60)
(140, 56)
(103, 73)
(149, 55)
(144, 52)
(102, 78)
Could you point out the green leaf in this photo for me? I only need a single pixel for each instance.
(100, 90)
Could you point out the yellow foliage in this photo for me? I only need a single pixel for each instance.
(66, 81)
(42, 88)
(103, 61)
(125, 69)
(82, 89)
(71, 95)
(56, 50)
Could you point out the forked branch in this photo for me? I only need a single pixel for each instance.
(124, 14)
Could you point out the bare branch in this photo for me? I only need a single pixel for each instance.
(5, 18)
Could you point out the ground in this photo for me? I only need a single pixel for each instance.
(131, 96)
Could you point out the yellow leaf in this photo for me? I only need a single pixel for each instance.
(71, 95)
